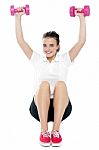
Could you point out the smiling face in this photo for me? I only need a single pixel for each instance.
(50, 47)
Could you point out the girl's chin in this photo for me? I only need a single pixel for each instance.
(49, 55)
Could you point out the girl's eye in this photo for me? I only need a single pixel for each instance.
(44, 45)
(51, 45)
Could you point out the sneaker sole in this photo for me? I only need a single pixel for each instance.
(44, 144)
(56, 144)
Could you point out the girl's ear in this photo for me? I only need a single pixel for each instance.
(58, 48)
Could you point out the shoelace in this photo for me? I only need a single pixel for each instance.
(45, 133)
(56, 134)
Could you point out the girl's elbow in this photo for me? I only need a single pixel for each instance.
(82, 42)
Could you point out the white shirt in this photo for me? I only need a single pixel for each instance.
(53, 71)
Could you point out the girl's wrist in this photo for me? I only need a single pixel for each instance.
(17, 16)
(81, 17)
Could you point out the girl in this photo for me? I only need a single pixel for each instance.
(50, 101)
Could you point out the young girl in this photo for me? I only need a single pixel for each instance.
(51, 101)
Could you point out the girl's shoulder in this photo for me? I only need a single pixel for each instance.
(35, 58)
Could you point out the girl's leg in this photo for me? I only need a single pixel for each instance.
(42, 101)
(60, 103)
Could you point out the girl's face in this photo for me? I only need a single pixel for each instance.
(50, 47)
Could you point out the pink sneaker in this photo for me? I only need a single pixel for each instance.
(45, 138)
(56, 138)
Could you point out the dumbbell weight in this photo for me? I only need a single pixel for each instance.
(85, 11)
(13, 10)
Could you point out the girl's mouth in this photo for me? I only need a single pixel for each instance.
(48, 52)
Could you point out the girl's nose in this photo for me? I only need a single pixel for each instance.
(48, 48)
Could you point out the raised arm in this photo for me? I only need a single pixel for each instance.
(82, 38)
(19, 35)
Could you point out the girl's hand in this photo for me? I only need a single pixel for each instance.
(80, 15)
(20, 12)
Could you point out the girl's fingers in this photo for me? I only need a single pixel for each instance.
(20, 11)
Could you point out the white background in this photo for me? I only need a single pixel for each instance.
(18, 129)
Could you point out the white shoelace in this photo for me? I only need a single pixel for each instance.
(45, 133)
(56, 134)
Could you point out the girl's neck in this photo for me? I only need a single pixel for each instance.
(51, 58)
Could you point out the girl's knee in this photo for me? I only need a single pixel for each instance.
(45, 84)
(61, 89)
(43, 89)
(60, 84)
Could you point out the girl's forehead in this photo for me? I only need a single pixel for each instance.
(49, 39)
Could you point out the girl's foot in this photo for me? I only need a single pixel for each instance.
(45, 138)
(56, 138)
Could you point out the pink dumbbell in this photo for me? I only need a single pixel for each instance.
(13, 10)
(85, 11)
